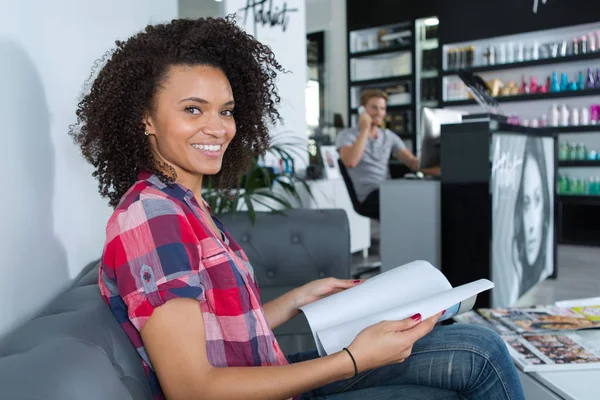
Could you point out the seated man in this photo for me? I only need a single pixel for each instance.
(366, 150)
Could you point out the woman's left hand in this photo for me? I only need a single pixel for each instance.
(322, 288)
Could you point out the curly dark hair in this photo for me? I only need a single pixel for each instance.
(110, 128)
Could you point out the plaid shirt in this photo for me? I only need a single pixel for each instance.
(159, 247)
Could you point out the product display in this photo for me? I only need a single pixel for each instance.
(561, 116)
(511, 52)
(589, 186)
(529, 85)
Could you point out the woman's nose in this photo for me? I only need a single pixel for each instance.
(214, 127)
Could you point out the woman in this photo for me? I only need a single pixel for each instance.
(532, 216)
(193, 98)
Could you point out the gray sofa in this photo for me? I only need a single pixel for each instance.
(75, 349)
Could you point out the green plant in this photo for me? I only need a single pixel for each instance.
(276, 191)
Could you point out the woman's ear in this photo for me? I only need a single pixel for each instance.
(149, 128)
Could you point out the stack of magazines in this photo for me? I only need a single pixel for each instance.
(544, 338)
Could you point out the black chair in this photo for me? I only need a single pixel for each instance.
(367, 267)
(352, 193)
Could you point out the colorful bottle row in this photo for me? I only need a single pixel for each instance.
(578, 186)
(514, 52)
(573, 151)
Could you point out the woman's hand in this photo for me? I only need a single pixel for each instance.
(320, 289)
(389, 342)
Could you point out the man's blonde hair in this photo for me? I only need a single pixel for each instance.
(368, 94)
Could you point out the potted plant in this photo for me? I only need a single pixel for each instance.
(274, 189)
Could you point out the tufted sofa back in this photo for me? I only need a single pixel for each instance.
(75, 349)
(287, 251)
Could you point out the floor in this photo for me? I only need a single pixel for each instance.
(578, 270)
(578, 275)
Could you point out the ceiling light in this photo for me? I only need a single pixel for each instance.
(431, 22)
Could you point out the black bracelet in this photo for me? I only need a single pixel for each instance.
(353, 361)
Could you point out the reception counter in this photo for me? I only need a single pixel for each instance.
(490, 215)
(498, 197)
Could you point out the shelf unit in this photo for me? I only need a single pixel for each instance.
(578, 220)
(530, 97)
(526, 64)
(419, 39)
(364, 45)
(427, 69)
(576, 214)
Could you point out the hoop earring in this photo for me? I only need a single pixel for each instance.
(146, 133)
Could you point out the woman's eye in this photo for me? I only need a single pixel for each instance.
(192, 110)
(227, 113)
(526, 203)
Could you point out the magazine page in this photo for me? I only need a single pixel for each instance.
(542, 319)
(590, 312)
(589, 301)
(400, 285)
(552, 352)
(497, 325)
(455, 301)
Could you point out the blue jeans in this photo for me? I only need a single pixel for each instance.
(452, 362)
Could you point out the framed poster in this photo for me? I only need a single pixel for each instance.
(523, 196)
(330, 157)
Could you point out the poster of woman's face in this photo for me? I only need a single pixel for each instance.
(522, 215)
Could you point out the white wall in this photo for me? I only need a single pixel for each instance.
(52, 217)
(330, 16)
(199, 8)
(289, 47)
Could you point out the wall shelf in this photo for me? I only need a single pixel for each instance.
(525, 64)
(368, 53)
(399, 107)
(382, 80)
(530, 97)
(579, 199)
(579, 163)
(580, 129)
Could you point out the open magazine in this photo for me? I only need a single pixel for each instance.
(399, 293)
(552, 351)
(543, 338)
(543, 318)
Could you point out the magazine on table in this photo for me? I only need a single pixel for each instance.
(547, 318)
(399, 293)
(552, 351)
(544, 338)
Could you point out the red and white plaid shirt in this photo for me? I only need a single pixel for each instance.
(159, 247)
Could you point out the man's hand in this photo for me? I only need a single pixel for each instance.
(365, 122)
(320, 289)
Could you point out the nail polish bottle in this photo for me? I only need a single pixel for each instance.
(581, 82)
(598, 78)
(575, 117)
(554, 85)
(590, 81)
(564, 82)
(524, 87)
(575, 46)
(592, 42)
(555, 115)
(564, 115)
(584, 116)
(533, 86)
(583, 45)
(594, 114)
